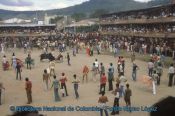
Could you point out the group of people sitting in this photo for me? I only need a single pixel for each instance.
(140, 29)
(27, 30)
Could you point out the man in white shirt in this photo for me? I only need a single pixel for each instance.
(4, 60)
(2, 48)
(171, 72)
(96, 65)
(52, 67)
(122, 84)
(121, 71)
(76, 82)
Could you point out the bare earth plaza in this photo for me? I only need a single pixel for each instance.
(117, 63)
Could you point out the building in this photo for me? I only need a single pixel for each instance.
(156, 23)
(16, 21)
(154, 27)
(86, 25)
(48, 18)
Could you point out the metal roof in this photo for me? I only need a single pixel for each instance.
(25, 25)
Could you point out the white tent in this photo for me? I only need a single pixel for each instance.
(16, 20)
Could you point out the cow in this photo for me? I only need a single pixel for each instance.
(48, 56)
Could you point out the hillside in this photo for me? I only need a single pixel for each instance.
(110, 5)
(86, 7)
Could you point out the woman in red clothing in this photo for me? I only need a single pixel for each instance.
(103, 81)
(63, 83)
(88, 51)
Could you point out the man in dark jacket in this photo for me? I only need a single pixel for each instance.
(68, 59)
(110, 79)
(18, 71)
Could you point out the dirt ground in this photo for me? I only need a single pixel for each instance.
(15, 94)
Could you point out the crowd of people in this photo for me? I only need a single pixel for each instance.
(111, 75)
(97, 68)
(158, 46)
(28, 30)
(141, 29)
(100, 43)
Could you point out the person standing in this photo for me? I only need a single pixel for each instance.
(134, 71)
(122, 84)
(132, 57)
(46, 78)
(88, 51)
(116, 100)
(77, 47)
(112, 68)
(96, 65)
(102, 69)
(154, 79)
(98, 49)
(123, 64)
(28, 88)
(159, 72)
(162, 60)
(63, 83)
(120, 69)
(68, 59)
(103, 81)
(25, 47)
(29, 61)
(102, 101)
(171, 72)
(150, 68)
(76, 81)
(4, 62)
(94, 72)
(56, 86)
(115, 52)
(74, 50)
(127, 96)
(110, 79)
(14, 62)
(52, 67)
(91, 51)
(18, 71)
(1, 88)
(85, 73)
(2, 48)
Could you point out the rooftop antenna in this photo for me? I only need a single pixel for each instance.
(36, 17)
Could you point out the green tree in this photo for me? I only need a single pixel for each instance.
(56, 19)
(78, 16)
(97, 13)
